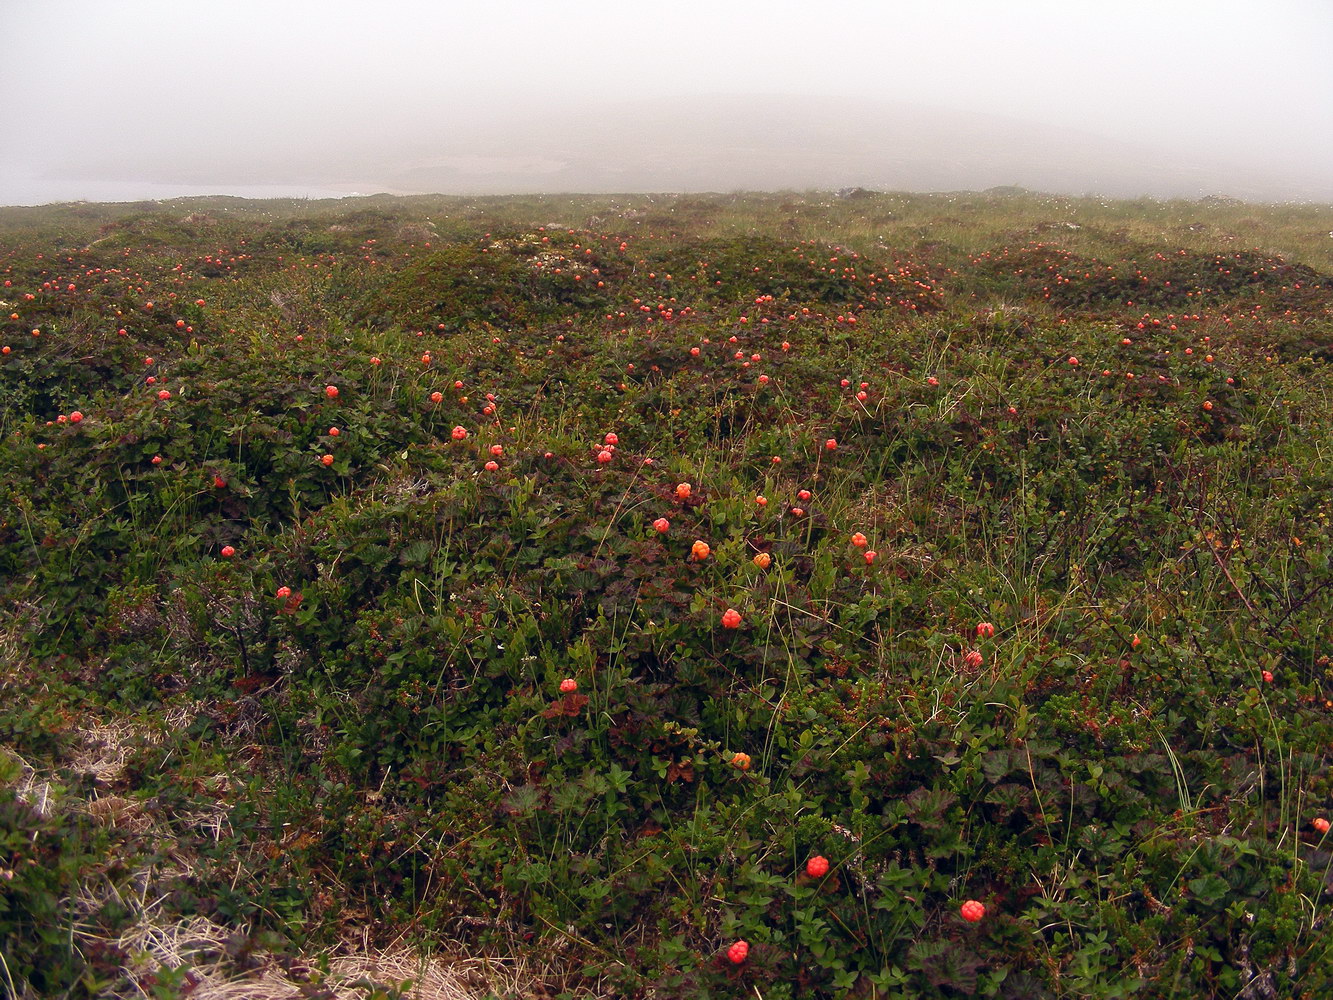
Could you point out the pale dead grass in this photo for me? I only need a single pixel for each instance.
(198, 953)
(32, 787)
(197, 950)
(106, 747)
(24, 618)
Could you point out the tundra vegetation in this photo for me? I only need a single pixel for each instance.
(780, 596)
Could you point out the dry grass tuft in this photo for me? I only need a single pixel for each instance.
(198, 951)
(105, 748)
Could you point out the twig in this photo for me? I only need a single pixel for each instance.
(1231, 580)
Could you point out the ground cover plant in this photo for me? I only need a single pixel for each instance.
(773, 595)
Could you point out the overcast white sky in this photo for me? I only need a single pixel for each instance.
(101, 94)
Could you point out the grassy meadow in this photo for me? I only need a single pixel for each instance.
(781, 596)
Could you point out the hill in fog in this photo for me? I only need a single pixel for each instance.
(731, 143)
(694, 144)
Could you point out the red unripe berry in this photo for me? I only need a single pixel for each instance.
(569, 685)
(738, 952)
(972, 911)
(817, 867)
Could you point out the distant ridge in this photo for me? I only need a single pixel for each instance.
(720, 143)
(765, 143)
